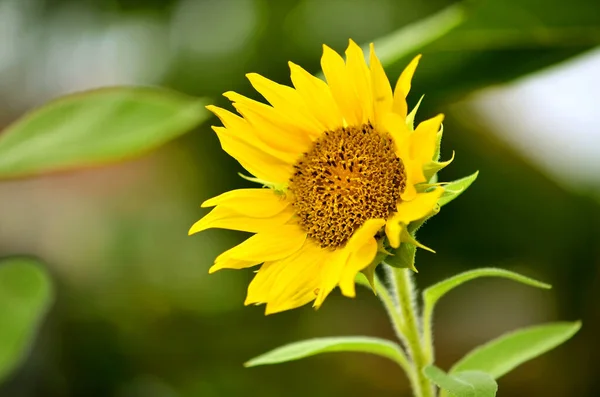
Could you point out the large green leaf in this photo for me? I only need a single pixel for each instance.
(307, 348)
(434, 293)
(463, 384)
(25, 296)
(95, 127)
(505, 353)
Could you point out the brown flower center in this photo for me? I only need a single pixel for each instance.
(349, 175)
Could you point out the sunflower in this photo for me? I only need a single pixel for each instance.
(343, 172)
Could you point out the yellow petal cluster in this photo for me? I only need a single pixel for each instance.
(268, 140)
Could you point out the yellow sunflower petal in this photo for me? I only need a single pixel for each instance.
(222, 217)
(420, 207)
(287, 101)
(330, 275)
(414, 175)
(397, 128)
(256, 161)
(393, 230)
(273, 128)
(242, 131)
(423, 140)
(317, 97)
(300, 298)
(299, 282)
(283, 283)
(381, 90)
(360, 78)
(263, 281)
(339, 82)
(408, 211)
(361, 250)
(231, 263)
(413, 168)
(403, 87)
(257, 203)
(359, 259)
(355, 256)
(266, 246)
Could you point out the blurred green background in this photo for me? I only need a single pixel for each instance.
(136, 312)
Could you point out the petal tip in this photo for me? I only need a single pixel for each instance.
(196, 228)
(212, 108)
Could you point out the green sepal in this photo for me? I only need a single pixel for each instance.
(278, 188)
(369, 271)
(438, 144)
(410, 118)
(431, 169)
(453, 189)
(403, 257)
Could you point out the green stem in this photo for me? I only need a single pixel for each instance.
(398, 324)
(405, 294)
(428, 333)
(391, 307)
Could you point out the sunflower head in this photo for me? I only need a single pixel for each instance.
(343, 172)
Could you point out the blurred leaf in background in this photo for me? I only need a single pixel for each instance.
(96, 127)
(501, 40)
(26, 294)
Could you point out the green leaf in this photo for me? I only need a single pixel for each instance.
(432, 294)
(453, 189)
(502, 355)
(25, 296)
(463, 384)
(96, 127)
(311, 347)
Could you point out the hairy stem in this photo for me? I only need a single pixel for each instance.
(391, 307)
(410, 329)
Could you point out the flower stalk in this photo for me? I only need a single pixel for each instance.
(407, 324)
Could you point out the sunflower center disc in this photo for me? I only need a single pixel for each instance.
(350, 175)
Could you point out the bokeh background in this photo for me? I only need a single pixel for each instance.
(136, 313)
